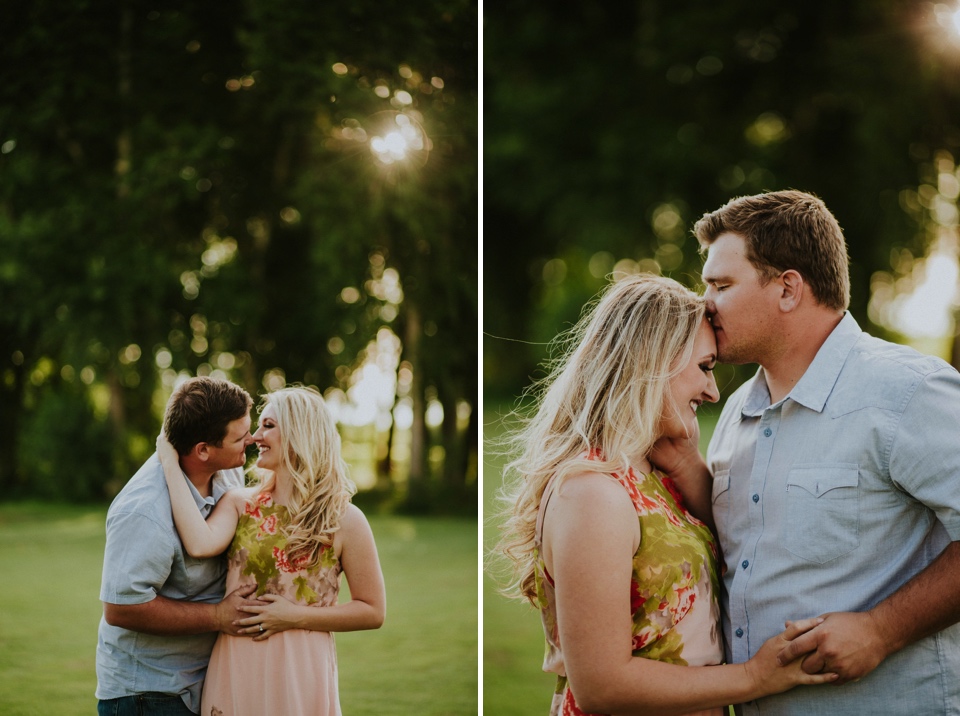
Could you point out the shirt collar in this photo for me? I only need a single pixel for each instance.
(218, 487)
(816, 384)
(204, 504)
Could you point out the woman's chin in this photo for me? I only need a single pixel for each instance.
(680, 430)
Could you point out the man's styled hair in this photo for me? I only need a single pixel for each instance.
(200, 410)
(786, 230)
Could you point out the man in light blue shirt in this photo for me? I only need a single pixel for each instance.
(162, 608)
(836, 472)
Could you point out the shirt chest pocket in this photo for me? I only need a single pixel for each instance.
(823, 511)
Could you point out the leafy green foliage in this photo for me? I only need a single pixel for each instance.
(177, 180)
(610, 133)
(65, 450)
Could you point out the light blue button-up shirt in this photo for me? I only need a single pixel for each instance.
(144, 558)
(832, 499)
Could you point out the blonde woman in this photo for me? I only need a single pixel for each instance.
(291, 534)
(624, 576)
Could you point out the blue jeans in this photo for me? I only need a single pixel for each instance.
(150, 703)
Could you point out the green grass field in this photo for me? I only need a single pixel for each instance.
(513, 682)
(423, 660)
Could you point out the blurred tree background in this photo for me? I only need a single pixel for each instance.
(608, 133)
(268, 192)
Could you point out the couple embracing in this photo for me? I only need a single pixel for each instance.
(830, 486)
(169, 641)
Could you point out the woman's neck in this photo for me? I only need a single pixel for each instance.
(281, 489)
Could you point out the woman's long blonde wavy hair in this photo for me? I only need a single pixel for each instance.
(310, 452)
(604, 395)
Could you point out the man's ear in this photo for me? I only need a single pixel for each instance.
(792, 287)
(201, 451)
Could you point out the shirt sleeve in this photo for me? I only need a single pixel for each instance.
(925, 454)
(137, 559)
(233, 478)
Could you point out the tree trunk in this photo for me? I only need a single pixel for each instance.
(11, 398)
(418, 497)
(385, 464)
(470, 456)
(118, 412)
(452, 443)
(124, 85)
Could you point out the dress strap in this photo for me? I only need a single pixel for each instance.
(548, 493)
(542, 510)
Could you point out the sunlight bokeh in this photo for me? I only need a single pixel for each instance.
(927, 312)
(399, 136)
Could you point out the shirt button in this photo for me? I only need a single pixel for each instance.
(739, 633)
(756, 498)
(768, 432)
(745, 563)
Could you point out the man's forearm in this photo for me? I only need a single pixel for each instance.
(164, 617)
(928, 603)
(852, 644)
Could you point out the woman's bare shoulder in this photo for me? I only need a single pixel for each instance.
(592, 487)
(240, 497)
(590, 499)
(589, 511)
(353, 519)
(354, 529)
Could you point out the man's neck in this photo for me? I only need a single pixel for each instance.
(200, 476)
(799, 348)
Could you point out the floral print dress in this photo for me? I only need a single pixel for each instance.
(295, 671)
(673, 590)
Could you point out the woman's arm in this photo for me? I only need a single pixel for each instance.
(590, 536)
(201, 538)
(366, 608)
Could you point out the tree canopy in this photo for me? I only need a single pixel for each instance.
(263, 191)
(607, 133)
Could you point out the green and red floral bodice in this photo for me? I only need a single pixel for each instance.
(258, 554)
(673, 588)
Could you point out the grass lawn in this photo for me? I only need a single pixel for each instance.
(423, 660)
(513, 681)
